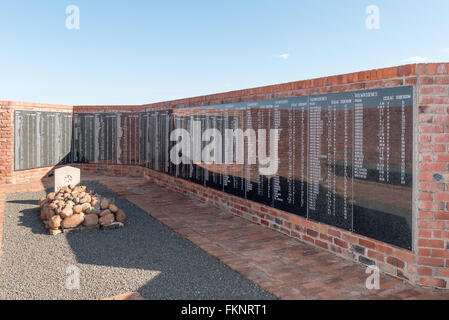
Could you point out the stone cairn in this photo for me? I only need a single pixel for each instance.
(74, 207)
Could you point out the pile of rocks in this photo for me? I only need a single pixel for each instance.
(75, 207)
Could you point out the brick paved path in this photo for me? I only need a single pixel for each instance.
(281, 265)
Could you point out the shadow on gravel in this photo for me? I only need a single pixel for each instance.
(30, 218)
(185, 271)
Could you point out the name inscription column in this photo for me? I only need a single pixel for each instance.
(383, 165)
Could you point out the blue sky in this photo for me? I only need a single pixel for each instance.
(137, 52)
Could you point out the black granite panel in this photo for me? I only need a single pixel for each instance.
(383, 165)
(344, 159)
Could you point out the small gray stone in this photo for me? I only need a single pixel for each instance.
(80, 229)
(93, 210)
(113, 225)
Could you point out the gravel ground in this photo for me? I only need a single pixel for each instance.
(144, 256)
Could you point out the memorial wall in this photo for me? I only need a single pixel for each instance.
(42, 139)
(344, 159)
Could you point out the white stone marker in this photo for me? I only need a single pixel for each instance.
(66, 176)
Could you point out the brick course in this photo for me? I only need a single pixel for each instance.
(433, 131)
(427, 265)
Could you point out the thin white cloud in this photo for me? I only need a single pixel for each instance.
(446, 50)
(284, 56)
(416, 60)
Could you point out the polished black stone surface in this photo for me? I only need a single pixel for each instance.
(330, 159)
(344, 159)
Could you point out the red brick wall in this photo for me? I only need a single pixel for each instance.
(428, 264)
(6, 143)
(433, 203)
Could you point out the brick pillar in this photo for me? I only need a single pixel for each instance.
(433, 198)
(6, 144)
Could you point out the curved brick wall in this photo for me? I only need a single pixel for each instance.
(427, 264)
